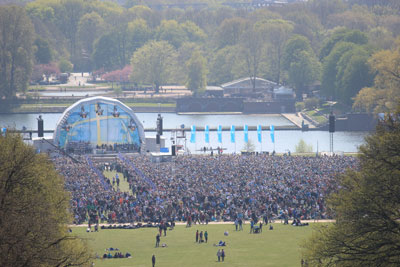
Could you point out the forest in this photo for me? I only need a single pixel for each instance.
(348, 51)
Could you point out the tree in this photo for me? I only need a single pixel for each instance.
(276, 32)
(222, 64)
(305, 24)
(43, 54)
(353, 73)
(380, 38)
(303, 71)
(68, 20)
(358, 18)
(139, 33)
(34, 211)
(16, 52)
(384, 95)
(324, 8)
(229, 32)
(342, 35)
(118, 75)
(252, 52)
(90, 26)
(105, 54)
(65, 66)
(303, 147)
(329, 69)
(196, 80)
(193, 32)
(152, 63)
(172, 32)
(146, 13)
(45, 70)
(366, 207)
(301, 64)
(249, 146)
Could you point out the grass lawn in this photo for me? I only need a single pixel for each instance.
(315, 116)
(123, 184)
(279, 247)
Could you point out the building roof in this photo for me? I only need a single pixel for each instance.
(246, 83)
(71, 116)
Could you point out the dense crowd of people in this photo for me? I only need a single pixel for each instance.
(202, 188)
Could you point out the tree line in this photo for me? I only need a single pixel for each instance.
(328, 44)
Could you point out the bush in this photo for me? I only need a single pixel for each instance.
(65, 66)
(311, 103)
(303, 147)
(299, 106)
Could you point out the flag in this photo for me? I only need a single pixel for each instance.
(259, 133)
(272, 129)
(193, 134)
(246, 133)
(233, 134)
(207, 134)
(219, 133)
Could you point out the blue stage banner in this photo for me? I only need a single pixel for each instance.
(193, 134)
(246, 133)
(259, 133)
(207, 134)
(233, 134)
(219, 134)
(272, 129)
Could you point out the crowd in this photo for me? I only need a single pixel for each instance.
(203, 188)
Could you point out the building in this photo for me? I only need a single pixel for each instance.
(244, 87)
(283, 93)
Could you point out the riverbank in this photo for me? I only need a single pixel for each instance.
(43, 108)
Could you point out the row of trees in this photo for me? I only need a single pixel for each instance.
(302, 44)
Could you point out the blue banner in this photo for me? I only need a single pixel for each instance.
(219, 134)
(259, 133)
(193, 134)
(233, 134)
(272, 129)
(207, 134)
(246, 133)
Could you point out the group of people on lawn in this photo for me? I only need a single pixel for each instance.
(203, 188)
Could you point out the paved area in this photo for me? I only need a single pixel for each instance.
(297, 119)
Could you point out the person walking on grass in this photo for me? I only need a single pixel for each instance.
(157, 240)
(219, 255)
(222, 255)
(197, 236)
(153, 260)
(206, 236)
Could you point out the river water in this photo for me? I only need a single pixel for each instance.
(284, 140)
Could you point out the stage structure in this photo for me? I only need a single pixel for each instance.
(99, 125)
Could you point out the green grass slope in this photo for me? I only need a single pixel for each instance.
(279, 247)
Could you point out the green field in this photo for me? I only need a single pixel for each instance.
(279, 247)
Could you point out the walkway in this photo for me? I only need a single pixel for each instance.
(297, 119)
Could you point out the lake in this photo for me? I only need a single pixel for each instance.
(284, 140)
